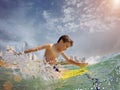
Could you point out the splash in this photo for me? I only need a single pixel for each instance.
(28, 66)
(30, 75)
(93, 60)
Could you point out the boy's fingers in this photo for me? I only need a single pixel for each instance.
(20, 53)
(83, 64)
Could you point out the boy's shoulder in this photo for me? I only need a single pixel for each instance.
(48, 45)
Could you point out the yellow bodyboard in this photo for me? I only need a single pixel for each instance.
(71, 73)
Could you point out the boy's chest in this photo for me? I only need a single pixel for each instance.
(52, 52)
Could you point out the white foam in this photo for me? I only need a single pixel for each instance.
(29, 67)
(93, 60)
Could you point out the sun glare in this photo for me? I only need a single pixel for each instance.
(116, 3)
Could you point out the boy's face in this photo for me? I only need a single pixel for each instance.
(63, 45)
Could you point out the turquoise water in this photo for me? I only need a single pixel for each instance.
(104, 75)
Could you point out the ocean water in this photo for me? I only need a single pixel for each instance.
(24, 75)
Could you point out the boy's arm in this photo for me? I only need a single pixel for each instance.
(37, 48)
(73, 62)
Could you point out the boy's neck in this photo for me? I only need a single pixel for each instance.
(56, 45)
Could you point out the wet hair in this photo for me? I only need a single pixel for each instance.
(65, 38)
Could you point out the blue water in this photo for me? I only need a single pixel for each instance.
(104, 75)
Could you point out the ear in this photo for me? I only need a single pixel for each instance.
(61, 41)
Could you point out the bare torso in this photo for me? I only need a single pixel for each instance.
(51, 54)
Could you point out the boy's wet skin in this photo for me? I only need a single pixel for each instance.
(53, 51)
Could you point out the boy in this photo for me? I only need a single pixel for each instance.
(52, 51)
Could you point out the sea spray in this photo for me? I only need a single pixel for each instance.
(27, 73)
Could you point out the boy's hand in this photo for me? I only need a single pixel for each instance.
(19, 53)
(83, 64)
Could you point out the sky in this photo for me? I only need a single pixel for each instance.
(93, 25)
